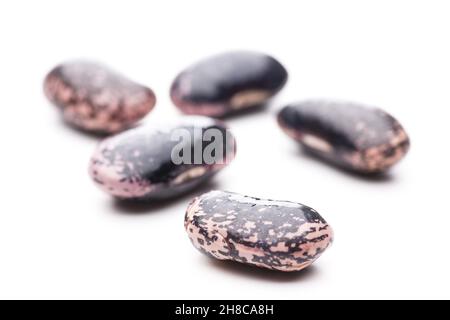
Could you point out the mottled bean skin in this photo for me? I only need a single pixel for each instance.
(94, 98)
(228, 82)
(137, 164)
(277, 235)
(353, 136)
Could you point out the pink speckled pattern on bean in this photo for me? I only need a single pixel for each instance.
(94, 98)
(227, 83)
(277, 235)
(138, 164)
(356, 137)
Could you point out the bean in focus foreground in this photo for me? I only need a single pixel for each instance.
(278, 235)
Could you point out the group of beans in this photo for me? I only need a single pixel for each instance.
(136, 163)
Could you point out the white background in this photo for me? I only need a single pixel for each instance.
(61, 237)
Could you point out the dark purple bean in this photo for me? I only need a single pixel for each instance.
(94, 98)
(225, 83)
(353, 136)
(139, 163)
(278, 235)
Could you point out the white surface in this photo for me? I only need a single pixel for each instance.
(61, 237)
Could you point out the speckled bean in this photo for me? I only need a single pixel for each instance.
(228, 82)
(357, 137)
(139, 163)
(278, 235)
(94, 98)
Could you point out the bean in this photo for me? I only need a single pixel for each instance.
(92, 97)
(228, 82)
(162, 161)
(278, 235)
(353, 136)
